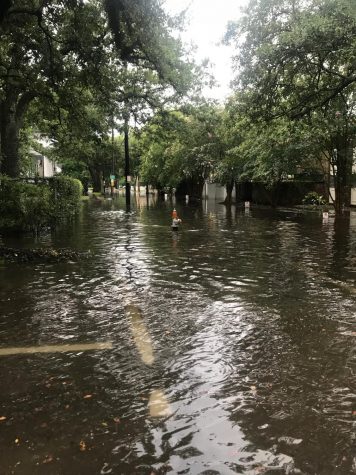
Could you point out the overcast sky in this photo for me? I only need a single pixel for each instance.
(205, 27)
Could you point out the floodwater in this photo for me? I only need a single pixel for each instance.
(228, 347)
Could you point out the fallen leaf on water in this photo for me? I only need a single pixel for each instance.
(87, 396)
(2, 418)
(290, 440)
(82, 445)
(48, 459)
(104, 424)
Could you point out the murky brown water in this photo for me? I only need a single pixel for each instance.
(233, 346)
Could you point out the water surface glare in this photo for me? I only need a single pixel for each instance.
(228, 347)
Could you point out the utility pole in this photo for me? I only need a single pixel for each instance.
(127, 163)
(112, 182)
(127, 152)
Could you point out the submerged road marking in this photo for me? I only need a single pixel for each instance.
(158, 404)
(140, 334)
(55, 348)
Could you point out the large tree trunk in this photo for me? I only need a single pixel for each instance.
(343, 177)
(192, 187)
(5, 5)
(9, 134)
(10, 147)
(96, 178)
(12, 111)
(229, 188)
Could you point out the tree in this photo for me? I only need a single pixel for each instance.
(271, 151)
(298, 59)
(45, 46)
(180, 148)
(52, 50)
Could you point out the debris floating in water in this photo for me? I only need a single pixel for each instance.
(47, 254)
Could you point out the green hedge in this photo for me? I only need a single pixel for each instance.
(66, 195)
(29, 206)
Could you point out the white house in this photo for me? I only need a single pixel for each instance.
(41, 165)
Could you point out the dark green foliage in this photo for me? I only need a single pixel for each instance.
(62, 65)
(27, 206)
(180, 148)
(65, 196)
(296, 84)
(23, 205)
(313, 198)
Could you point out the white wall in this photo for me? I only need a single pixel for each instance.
(353, 196)
(47, 168)
(215, 191)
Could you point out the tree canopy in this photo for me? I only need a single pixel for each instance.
(295, 57)
(56, 52)
(296, 63)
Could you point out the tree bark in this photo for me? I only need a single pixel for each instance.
(343, 176)
(229, 188)
(96, 178)
(192, 187)
(12, 111)
(10, 163)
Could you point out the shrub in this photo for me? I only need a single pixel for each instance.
(313, 198)
(29, 206)
(66, 196)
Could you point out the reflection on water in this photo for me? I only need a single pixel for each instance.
(232, 345)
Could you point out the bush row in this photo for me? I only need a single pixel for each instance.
(29, 206)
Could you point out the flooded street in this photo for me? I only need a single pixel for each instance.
(228, 347)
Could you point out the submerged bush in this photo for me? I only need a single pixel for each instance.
(66, 195)
(313, 198)
(30, 206)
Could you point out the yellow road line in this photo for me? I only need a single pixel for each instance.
(158, 404)
(140, 334)
(17, 350)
